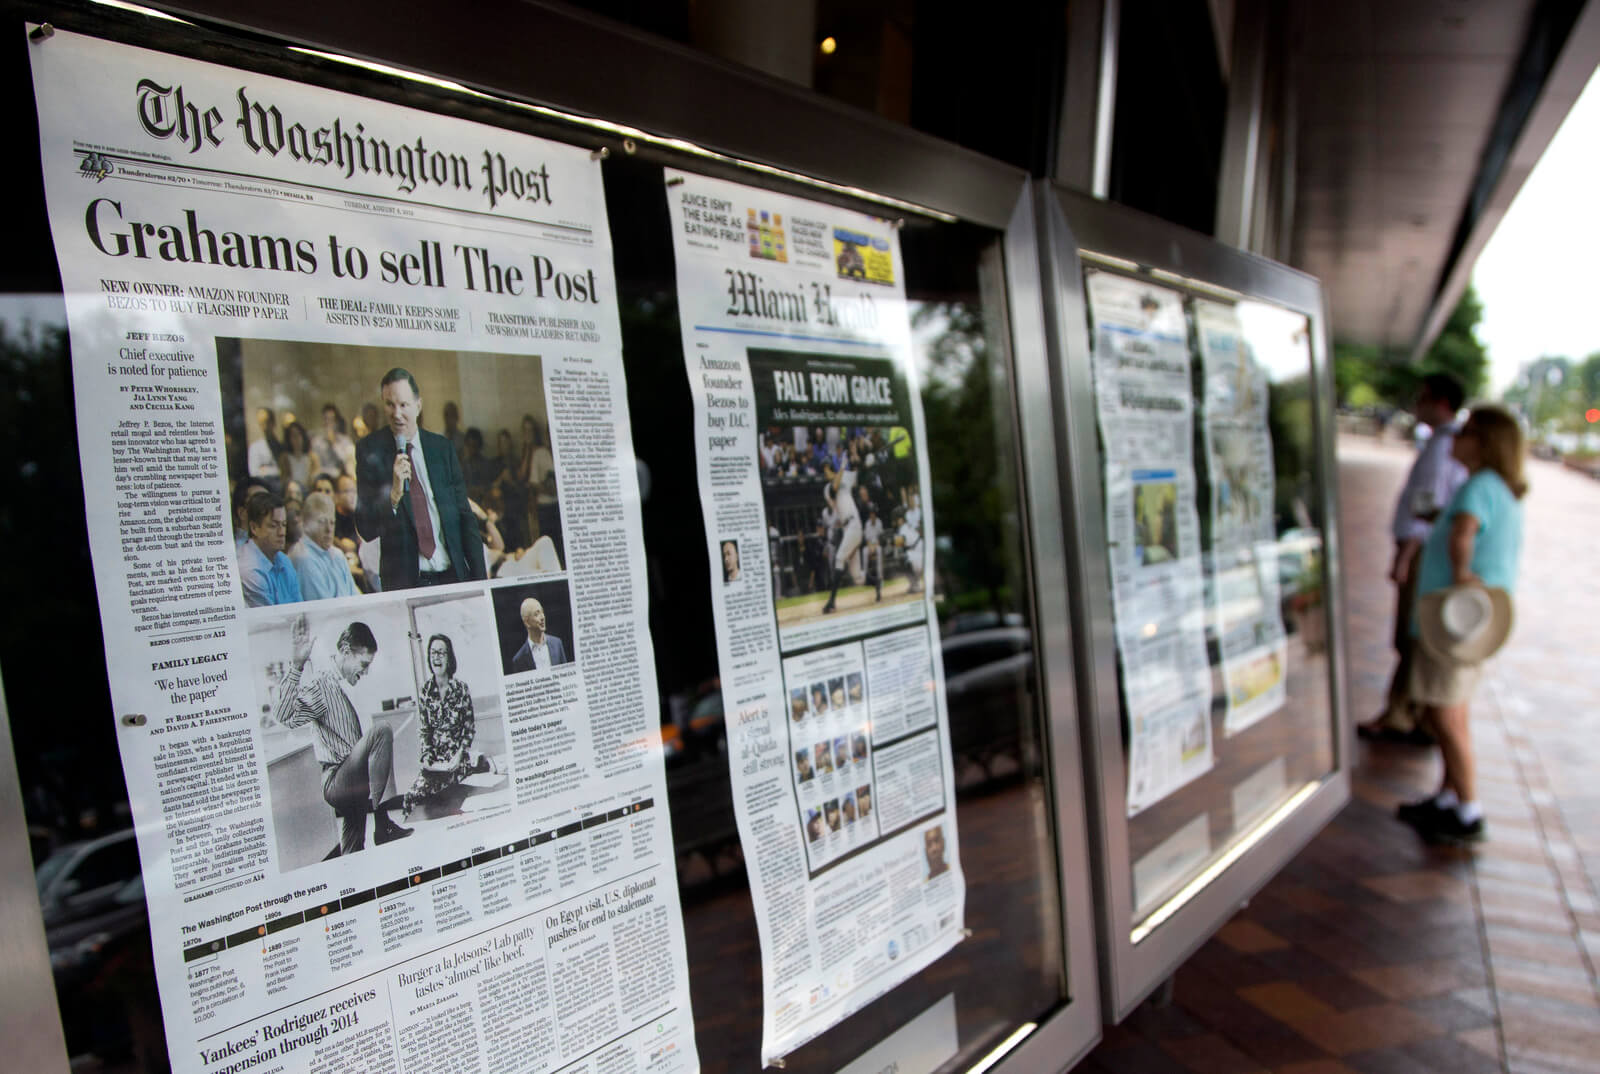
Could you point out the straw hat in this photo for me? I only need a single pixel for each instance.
(1465, 624)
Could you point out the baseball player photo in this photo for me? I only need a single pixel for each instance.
(836, 494)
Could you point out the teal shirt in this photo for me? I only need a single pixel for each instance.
(1496, 549)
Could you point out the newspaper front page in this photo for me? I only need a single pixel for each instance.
(1246, 608)
(389, 723)
(1144, 399)
(813, 472)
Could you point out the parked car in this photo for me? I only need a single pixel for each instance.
(82, 879)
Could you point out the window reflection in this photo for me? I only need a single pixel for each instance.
(1262, 765)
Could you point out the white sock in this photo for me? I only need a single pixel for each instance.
(1469, 812)
(1446, 799)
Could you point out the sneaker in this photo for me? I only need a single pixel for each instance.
(1415, 813)
(1447, 828)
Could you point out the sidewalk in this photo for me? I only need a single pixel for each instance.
(1374, 953)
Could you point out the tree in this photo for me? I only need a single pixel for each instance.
(1458, 350)
(1547, 390)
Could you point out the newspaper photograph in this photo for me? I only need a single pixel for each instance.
(1144, 400)
(1247, 612)
(365, 527)
(813, 475)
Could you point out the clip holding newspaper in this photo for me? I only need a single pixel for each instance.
(1144, 399)
(813, 477)
(1247, 610)
(398, 792)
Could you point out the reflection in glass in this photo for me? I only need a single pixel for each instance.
(1261, 766)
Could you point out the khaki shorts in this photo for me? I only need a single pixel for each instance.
(1440, 682)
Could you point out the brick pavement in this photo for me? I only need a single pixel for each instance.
(1375, 954)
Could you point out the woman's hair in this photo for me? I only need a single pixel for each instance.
(450, 653)
(1501, 446)
(288, 439)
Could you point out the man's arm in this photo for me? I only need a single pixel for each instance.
(292, 710)
(1405, 560)
(374, 485)
(253, 577)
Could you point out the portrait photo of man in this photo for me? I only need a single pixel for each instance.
(933, 850)
(541, 650)
(824, 755)
(813, 825)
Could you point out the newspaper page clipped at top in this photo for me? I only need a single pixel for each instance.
(1145, 402)
(387, 710)
(813, 468)
(1246, 607)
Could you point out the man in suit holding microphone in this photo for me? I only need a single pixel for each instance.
(411, 495)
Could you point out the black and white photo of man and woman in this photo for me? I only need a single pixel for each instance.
(380, 721)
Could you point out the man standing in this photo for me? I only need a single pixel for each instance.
(356, 764)
(842, 487)
(410, 494)
(266, 573)
(540, 650)
(323, 570)
(1433, 480)
(872, 546)
(262, 458)
(909, 538)
(452, 427)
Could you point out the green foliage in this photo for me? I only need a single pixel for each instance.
(972, 485)
(1458, 349)
(1366, 376)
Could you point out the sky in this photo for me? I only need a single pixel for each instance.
(1537, 276)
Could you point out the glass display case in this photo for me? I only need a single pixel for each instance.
(1195, 398)
(1020, 986)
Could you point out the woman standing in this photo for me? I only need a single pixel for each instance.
(444, 711)
(1477, 541)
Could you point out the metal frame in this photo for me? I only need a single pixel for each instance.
(1072, 223)
(1089, 97)
(1062, 1040)
(30, 1018)
(546, 56)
